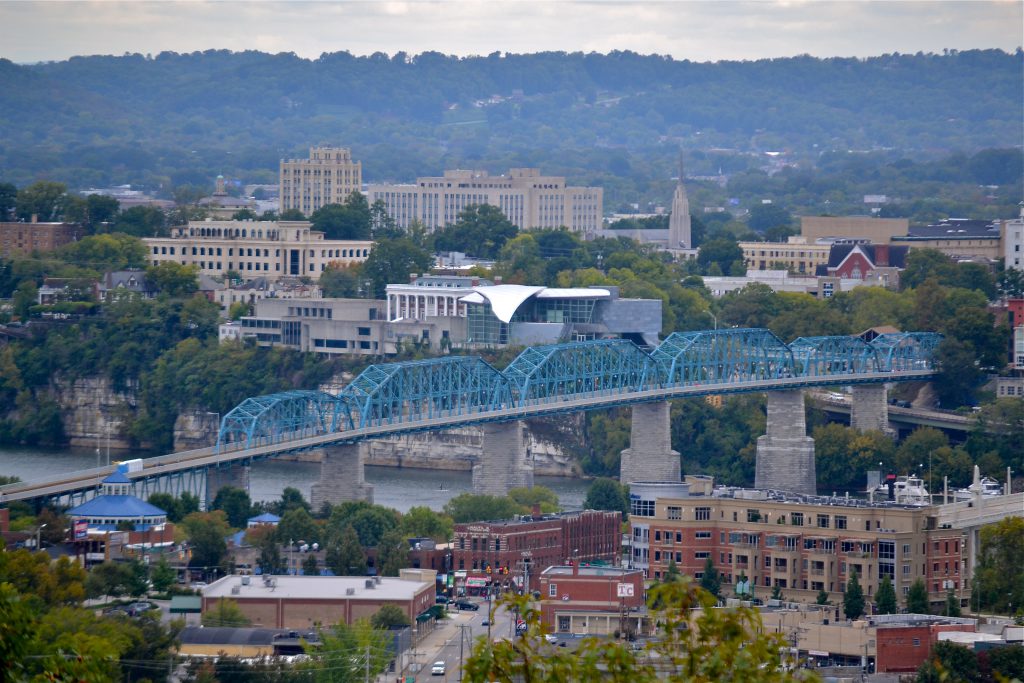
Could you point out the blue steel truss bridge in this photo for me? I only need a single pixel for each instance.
(456, 391)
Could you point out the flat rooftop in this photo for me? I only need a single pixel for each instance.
(315, 588)
(588, 570)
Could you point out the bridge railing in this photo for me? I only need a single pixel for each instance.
(396, 393)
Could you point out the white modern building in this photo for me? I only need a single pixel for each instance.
(527, 198)
(430, 296)
(271, 249)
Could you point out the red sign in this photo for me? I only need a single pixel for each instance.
(81, 529)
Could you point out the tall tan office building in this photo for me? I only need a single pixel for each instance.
(329, 176)
(527, 198)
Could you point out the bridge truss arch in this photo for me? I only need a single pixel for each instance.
(273, 417)
(900, 351)
(420, 390)
(733, 355)
(580, 368)
(817, 356)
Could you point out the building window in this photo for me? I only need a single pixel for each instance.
(886, 550)
(702, 534)
(703, 514)
(642, 508)
(675, 512)
(552, 590)
(822, 521)
(797, 518)
(840, 521)
(701, 555)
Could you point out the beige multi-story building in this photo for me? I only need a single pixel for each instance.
(806, 544)
(527, 198)
(874, 230)
(328, 176)
(797, 255)
(271, 249)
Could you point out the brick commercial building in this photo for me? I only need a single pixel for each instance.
(501, 552)
(805, 544)
(302, 602)
(592, 600)
(24, 238)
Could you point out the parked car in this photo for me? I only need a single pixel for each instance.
(551, 638)
(441, 600)
(464, 604)
(137, 608)
(437, 669)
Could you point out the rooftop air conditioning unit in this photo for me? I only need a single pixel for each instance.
(370, 583)
(246, 580)
(350, 591)
(235, 590)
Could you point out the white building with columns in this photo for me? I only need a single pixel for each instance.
(430, 296)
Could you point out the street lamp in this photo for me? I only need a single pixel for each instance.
(713, 317)
(39, 536)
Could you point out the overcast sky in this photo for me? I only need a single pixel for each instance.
(697, 30)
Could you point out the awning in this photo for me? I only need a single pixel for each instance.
(186, 604)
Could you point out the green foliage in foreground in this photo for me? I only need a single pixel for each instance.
(701, 645)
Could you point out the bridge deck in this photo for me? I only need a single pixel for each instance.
(290, 442)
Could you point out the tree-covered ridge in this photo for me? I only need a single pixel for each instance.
(586, 115)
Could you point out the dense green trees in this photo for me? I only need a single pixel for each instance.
(999, 583)
(480, 230)
(853, 597)
(917, 598)
(607, 494)
(885, 598)
(348, 221)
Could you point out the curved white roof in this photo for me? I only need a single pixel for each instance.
(505, 300)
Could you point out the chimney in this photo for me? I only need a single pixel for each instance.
(35, 218)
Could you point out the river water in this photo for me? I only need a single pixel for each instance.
(398, 488)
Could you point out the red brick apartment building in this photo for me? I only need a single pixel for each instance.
(802, 544)
(498, 550)
(24, 238)
(592, 600)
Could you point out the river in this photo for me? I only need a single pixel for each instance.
(398, 488)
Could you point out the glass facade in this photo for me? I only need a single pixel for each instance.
(482, 327)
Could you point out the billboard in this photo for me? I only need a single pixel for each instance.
(81, 529)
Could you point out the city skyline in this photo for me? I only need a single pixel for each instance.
(696, 30)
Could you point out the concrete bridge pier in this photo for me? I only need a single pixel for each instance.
(505, 462)
(342, 477)
(869, 408)
(236, 474)
(785, 455)
(650, 456)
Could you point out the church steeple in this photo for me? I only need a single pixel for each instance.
(679, 220)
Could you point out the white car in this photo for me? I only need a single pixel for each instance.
(551, 638)
(437, 669)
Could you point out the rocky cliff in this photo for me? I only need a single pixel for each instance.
(94, 414)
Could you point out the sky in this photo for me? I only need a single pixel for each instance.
(698, 30)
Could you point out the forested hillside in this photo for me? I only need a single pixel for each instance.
(614, 120)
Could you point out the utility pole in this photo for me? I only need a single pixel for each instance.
(462, 647)
(367, 664)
